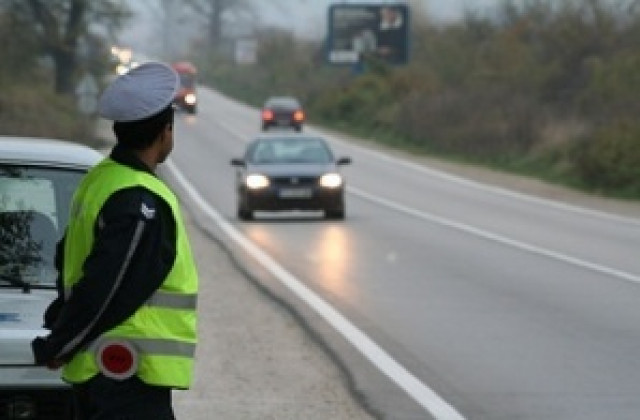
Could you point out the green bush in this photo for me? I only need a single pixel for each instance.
(609, 159)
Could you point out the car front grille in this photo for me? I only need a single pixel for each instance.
(282, 115)
(47, 404)
(295, 181)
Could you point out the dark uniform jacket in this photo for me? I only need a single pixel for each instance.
(153, 257)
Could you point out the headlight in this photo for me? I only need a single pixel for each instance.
(190, 99)
(121, 69)
(331, 180)
(256, 181)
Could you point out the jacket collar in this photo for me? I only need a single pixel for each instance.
(124, 156)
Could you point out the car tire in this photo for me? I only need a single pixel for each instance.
(334, 214)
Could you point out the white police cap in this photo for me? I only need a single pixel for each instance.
(140, 93)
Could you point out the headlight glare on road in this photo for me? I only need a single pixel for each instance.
(256, 181)
(331, 180)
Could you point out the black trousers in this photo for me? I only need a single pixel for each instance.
(102, 398)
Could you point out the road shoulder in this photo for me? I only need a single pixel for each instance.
(254, 360)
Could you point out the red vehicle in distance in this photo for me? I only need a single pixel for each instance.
(282, 111)
(186, 97)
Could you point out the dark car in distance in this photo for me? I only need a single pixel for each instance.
(288, 171)
(282, 111)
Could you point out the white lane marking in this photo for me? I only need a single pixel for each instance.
(484, 187)
(496, 237)
(421, 393)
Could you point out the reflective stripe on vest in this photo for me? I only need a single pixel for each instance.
(151, 346)
(169, 300)
(163, 330)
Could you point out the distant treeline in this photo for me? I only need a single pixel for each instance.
(548, 88)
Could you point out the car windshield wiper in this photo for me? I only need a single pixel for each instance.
(15, 280)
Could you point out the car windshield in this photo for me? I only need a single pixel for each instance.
(282, 102)
(34, 208)
(187, 80)
(290, 150)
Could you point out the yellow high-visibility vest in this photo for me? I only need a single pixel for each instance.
(163, 330)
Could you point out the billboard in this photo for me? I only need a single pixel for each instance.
(357, 31)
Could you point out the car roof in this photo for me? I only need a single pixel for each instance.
(54, 152)
(287, 135)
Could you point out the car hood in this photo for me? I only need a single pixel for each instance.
(21, 318)
(293, 169)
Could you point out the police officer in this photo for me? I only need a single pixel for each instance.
(124, 324)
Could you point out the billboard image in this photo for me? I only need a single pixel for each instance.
(360, 30)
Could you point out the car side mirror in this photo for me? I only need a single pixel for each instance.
(237, 162)
(343, 161)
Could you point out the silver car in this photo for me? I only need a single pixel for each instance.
(37, 179)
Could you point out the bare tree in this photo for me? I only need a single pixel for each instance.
(172, 26)
(60, 25)
(214, 13)
(211, 22)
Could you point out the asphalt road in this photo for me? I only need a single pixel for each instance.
(438, 296)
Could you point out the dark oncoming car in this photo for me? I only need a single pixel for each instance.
(37, 179)
(288, 171)
(282, 111)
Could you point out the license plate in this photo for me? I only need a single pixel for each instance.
(295, 193)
